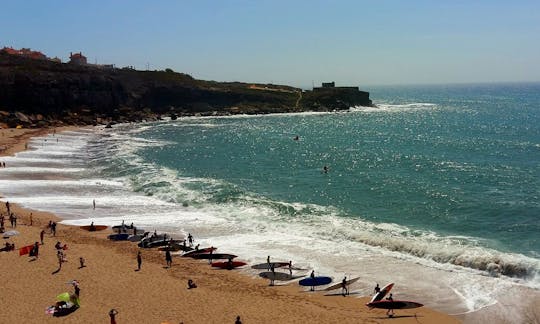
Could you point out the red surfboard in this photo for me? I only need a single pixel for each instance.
(226, 264)
(94, 228)
(394, 304)
(25, 249)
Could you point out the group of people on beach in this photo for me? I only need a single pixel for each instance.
(12, 218)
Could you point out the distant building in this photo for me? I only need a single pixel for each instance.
(77, 58)
(26, 52)
(328, 84)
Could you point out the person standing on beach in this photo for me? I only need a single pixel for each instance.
(168, 258)
(53, 228)
(273, 274)
(290, 267)
(390, 311)
(7, 207)
(238, 321)
(344, 289)
(35, 250)
(312, 276)
(31, 220)
(190, 239)
(112, 314)
(139, 261)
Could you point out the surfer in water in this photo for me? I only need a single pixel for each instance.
(325, 169)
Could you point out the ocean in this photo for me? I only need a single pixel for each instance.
(436, 189)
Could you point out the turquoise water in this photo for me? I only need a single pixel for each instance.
(455, 160)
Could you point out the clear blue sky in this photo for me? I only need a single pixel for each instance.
(291, 42)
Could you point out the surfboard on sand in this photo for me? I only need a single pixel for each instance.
(394, 304)
(93, 228)
(279, 276)
(199, 251)
(315, 281)
(25, 249)
(214, 256)
(226, 264)
(266, 266)
(338, 285)
(118, 237)
(380, 295)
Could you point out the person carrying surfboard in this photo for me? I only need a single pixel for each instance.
(344, 289)
(377, 289)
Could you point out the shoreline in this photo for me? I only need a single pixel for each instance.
(109, 281)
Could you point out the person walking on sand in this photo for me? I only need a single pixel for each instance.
(344, 289)
(112, 314)
(139, 261)
(168, 258)
(41, 235)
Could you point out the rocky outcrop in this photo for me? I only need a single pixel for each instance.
(35, 93)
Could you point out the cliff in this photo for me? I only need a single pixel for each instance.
(49, 92)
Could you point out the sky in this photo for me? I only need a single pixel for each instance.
(298, 43)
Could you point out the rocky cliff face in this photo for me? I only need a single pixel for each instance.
(49, 92)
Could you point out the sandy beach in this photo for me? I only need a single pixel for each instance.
(155, 294)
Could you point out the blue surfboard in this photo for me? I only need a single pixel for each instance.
(315, 281)
(118, 237)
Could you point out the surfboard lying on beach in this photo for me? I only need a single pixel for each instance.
(226, 264)
(118, 237)
(93, 228)
(394, 304)
(338, 285)
(264, 266)
(25, 249)
(280, 276)
(380, 295)
(199, 251)
(214, 256)
(315, 281)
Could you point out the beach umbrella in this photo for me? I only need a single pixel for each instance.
(9, 234)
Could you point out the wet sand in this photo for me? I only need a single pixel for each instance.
(155, 294)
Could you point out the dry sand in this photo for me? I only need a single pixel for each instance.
(155, 294)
